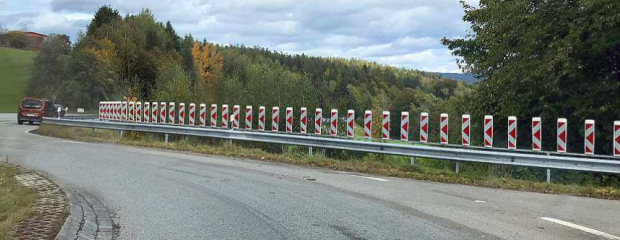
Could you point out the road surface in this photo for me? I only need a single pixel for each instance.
(156, 194)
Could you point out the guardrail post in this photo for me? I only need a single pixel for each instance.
(458, 167)
(120, 134)
(548, 175)
(92, 133)
(310, 151)
(412, 160)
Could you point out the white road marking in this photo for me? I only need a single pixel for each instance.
(28, 132)
(7, 138)
(73, 142)
(582, 228)
(371, 178)
(479, 201)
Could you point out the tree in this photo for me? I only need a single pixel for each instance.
(208, 64)
(172, 84)
(104, 15)
(546, 58)
(48, 70)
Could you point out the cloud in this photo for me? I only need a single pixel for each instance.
(403, 33)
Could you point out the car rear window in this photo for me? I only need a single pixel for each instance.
(31, 103)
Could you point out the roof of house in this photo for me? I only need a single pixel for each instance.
(34, 33)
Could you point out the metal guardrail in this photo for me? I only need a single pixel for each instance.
(589, 163)
(81, 116)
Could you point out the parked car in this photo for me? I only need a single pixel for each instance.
(63, 110)
(34, 109)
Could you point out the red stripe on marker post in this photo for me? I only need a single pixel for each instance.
(235, 116)
(261, 118)
(404, 126)
(275, 119)
(303, 120)
(512, 132)
(181, 113)
(248, 117)
(224, 123)
(192, 114)
(334, 123)
(385, 125)
(289, 119)
(423, 127)
(589, 137)
(488, 131)
(213, 115)
(202, 120)
(318, 121)
(465, 130)
(443, 128)
(536, 136)
(562, 135)
(171, 113)
(367, 124)
(350, 123)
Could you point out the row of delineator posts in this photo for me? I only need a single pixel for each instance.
(165, 113)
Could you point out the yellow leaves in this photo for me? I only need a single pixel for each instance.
(104, 52)
(207, 62)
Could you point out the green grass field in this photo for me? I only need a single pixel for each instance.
(15, 68)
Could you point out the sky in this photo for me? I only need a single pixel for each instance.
(401, 33)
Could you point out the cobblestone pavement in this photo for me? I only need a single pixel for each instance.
(49, 210)
(89, 218)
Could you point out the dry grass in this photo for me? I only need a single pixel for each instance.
(15, 201)
(425, 169)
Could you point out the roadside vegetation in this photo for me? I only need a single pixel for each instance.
(15, 201)
(15, 66)
(483, 175)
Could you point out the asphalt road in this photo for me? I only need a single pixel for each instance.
(171, 195)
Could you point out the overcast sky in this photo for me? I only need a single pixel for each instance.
(402, 33)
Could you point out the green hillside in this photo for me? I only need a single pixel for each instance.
(15, 68)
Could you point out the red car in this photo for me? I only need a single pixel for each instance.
(34, 109)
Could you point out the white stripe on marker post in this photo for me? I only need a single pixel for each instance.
(488, 131)
(589, 137)
(192, 114)
(248, 117)
(318, 121)
(562, 135)
(213, 115)
(350, 124)
(334, 123)
(303, 120)
(423, 127)
(443, 128)
(367, 124)
(536, 136)
(261, 118)
(202, 120)
(512, 132)
(616, 138)
(181, 113)
(404, 126)
(465, 127)
(235, 116)
(385, 125)
(275, 119)
(289, 119)
(224, 123)
(171, 113)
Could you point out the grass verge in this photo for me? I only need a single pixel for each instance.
(394, 166)
(15, 66)
(16, 201)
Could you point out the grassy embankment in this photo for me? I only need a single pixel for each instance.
(15, 201)
(15, 68)
(424, 169)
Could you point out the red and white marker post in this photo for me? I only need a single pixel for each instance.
(154, 112)
(139, 112)
(248, 117)
(404, 126)
(192, 114)
(443, 128)
(512, 132)
(275, 119)
(132, 114)
(589, 137)
(124, 107)
(202, 120)
(213, 115)
(235, 116)
(181, 113)
(424, 127)
(367, 124)
(616, 138)
(385, 125)
(465, 127)
(261, 118)
(488, 131)
(101, 111)
(333, 126)
(536, 136)
(119, 111)
(224, 123)
(562, 134)
(303, 120)
(318, 121)
(289, 119)
(162, 113)
(350, 123)
(171, 113)
(147, 112)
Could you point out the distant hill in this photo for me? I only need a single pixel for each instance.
(463, 77)
(15, 68)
